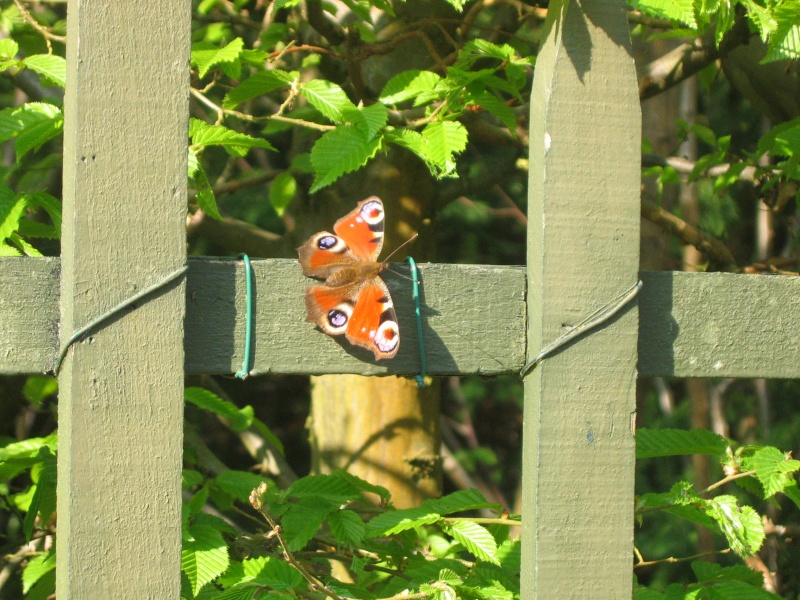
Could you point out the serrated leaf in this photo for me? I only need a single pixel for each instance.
(242, 591)
(340, 151)
(361, 485)
(328, 98)
(275, 573)
(34, 137)
(239, 418)
(50, 204)
(475, 538)
(460, 501)
(27, 448)
(204, 556)
(332, 489)
(498, 108)
(369, 120)
(234, 142)
(53, 68)
(37, 568)
(238, 484)
(6, 250)
(773, 469)
(673, 442)
(407, 85)
(8, 48)
(347, 527)
(205, 58)
(43, 502)
(741, 525)
(442, 140)
(258, 84)
(37, 119)
(681, 11)
(706, 571)
(303, 521)
(395, 521)
(12, 210)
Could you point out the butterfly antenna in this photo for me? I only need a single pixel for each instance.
(393, 252)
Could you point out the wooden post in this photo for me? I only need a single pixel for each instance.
(121, 389)
(583, 244)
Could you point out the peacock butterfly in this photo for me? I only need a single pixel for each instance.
(354, 300)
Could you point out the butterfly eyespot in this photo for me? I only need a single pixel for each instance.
(326, 242)
(337, 318)
(372, 212)
(387, 337)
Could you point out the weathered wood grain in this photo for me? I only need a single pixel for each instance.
(690, 324)
(583, 250)
(120, 417)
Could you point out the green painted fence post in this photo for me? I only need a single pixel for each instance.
(583, 245)
(121, 389)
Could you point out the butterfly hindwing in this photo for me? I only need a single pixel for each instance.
(363, 311)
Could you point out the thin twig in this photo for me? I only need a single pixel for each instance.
(672, 559)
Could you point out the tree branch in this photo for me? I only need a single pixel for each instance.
(717, 251)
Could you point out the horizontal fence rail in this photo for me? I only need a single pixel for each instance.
(690, 324)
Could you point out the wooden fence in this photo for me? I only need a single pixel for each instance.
(121, 390)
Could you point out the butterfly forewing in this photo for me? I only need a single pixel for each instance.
(362, 229)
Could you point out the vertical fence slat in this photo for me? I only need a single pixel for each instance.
(583, 245)
(121, 390)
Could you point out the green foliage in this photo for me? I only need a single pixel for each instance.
(767, 471)
(777, 23)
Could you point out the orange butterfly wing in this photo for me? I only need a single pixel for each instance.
(354, 301)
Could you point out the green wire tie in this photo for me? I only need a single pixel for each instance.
(596, 319)
(248, 336)
(108, 315)
(420, 378)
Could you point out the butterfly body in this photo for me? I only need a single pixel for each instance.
(353, 300)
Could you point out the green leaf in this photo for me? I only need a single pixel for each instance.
(234, 142)
(773, 468)
(206, 58)
(51, 67)
(369, 120)
(12, 209)
(39, 387)
(204, 556)
(741, 525)
(674, 442)
(407, 85)
(475, 538)
(347, 527)
(395, 521)
(282, 191)
(328, 98)
(8, 48)
(43, 503)
(674, 10)
(460, 501)
(238, 484)
(338, 152)
(498, 108)
(243, 591)
(706, 571)
(273, 572)
(333, 489)
(303, 521)
(442, 140)
(37, 568)
(27, 448)
(239, 418)
(191, 478)
(361, 485)
(258, 84)
(34, 137)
